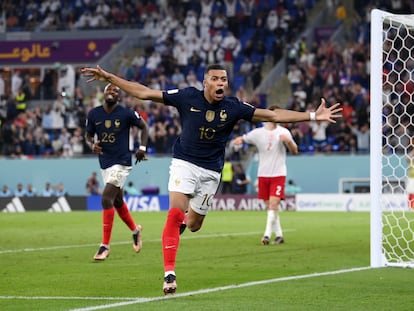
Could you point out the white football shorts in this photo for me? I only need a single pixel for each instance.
(199, 183)
(116, 175)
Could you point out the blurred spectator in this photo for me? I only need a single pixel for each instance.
(192, 81)
(158, 137)
(92, 185)
(5, 192)
(178, 77)
(294, 76)
(47, 118)
(20, 191)
(256, 75)
(16, 82)
(48, 190)
(173, 132)
(362, 137)
(64, 137)
(3, 27)
(21, 100)
(292, 188)
(340, 13)
(319, 137)
(240, 180)
(292, 55)
(130, 189)
(227, 177)
(231, 48)
(57, 115)
(348, 112)
(77, 142)
(60, 190)
(245, 70)
(47, 84)
(66, 81)
(30, 191)
(2, 86)
(57, 145)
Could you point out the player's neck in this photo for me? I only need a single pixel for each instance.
(270, 125)
(109, 108)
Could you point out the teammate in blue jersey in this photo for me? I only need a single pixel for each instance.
(108, 134)
(207, 119)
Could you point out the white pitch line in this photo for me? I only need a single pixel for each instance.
(134, 300)
(216, 289)
(65, 298)
(197, 236)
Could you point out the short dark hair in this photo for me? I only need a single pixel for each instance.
(214, 67)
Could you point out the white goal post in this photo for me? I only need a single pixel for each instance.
(392, 122)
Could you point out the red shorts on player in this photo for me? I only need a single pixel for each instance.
(271, 186)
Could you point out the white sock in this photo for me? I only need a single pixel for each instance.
(166, 273)
(277, 227)
(271, 216)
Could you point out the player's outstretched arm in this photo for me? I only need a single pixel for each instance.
(135, 89)
(323, 113)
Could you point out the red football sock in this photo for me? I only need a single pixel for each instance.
(126, 217)
(107, 222)
(171, 237)
(411, 199)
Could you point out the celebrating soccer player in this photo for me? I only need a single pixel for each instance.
(207, 118)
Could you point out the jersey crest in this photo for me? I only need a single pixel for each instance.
(210, 115)
(223, 115)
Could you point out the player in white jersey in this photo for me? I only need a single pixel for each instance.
(271, 142)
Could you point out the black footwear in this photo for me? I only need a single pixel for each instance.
(170, 285)
(278, 240)
(265, 240)
(182, 228)
(184, 223)
(102, 253)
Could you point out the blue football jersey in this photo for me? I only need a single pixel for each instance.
(112, 130)
(205, 127)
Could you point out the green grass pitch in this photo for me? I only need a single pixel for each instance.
(46, 264)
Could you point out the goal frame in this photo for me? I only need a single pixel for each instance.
(377, 260)
(377, 256)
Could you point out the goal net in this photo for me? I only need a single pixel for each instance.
(392, 124)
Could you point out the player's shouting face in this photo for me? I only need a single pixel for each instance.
(215, 83)
(111, 94)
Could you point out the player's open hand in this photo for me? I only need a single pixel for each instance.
(330, 114)
(95, 74)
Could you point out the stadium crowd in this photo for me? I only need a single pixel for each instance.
(243, 35)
